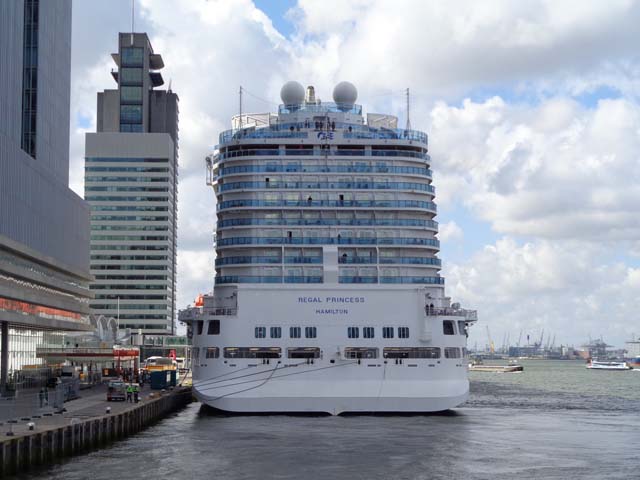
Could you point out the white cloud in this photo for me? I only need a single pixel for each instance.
(449, 231)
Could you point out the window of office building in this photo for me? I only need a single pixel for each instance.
(130, 76)
(131, 114)
(132, 57)
(131, 95)
(30, 76)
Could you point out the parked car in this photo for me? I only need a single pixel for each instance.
(116, 391)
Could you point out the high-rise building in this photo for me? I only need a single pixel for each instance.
(44, 226)
(131, 184)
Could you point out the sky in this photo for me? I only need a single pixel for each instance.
(532, 110)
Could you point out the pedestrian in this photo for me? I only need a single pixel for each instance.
(41, 397)
(136, 393)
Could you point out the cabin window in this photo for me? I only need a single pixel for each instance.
(360, 352)
(368, 332)
(303, 352)
(403, 332)
(199, 326)
(387, 332)
(462, 327)
(252, 352)
(294, 332)
(310, 332)
(451, 352)
(261, 332)
(353, 332)
(212, 352)
(448, 328)
(275, 332)
(214, 327)
(411, 352)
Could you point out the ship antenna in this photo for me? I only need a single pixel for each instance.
(408, 110)
(240, 101)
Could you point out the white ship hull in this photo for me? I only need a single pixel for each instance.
(332, 383)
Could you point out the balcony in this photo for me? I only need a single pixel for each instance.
(328, 203)
(232, 241)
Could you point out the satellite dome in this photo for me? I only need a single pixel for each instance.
(345, 93)
(292, 93)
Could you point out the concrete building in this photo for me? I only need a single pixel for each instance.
(44, 226)
(131, 183)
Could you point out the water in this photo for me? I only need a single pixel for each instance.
(554, 420)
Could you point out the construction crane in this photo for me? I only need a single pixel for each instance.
(492, 348)
(519, 338)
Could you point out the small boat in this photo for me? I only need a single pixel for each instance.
(496, 368)
(634, 362)
(596, 365)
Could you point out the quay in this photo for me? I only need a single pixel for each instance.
(82, 425)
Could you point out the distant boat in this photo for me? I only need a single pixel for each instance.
(596, 365)
(634, 362)
(496, 368)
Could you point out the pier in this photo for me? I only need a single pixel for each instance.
(83, 424)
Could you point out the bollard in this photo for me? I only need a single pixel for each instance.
(31, 425)
(108, 410)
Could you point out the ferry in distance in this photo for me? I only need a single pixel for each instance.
(328, 295)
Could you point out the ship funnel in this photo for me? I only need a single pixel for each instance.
(311, 95)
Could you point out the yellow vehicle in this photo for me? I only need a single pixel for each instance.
(154, 364)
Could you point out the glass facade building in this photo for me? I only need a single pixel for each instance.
(131, 187)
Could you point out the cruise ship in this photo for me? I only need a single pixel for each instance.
(327, 295)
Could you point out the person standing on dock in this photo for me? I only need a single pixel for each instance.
(129, 393)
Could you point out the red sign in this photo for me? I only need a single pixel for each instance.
(172, 354)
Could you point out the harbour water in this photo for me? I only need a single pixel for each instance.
(555, 420)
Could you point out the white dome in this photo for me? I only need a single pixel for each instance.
(292, 93)
(345, 93)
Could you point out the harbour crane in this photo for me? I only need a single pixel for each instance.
(491, 346)
(519, 338)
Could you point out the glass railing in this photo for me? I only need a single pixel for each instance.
(411, 260)
(220, 262)
(225, 242)
(328, 203)
(302, 259)
(347, 279)
(323, 128)
(299, 168)
(406, 222)
(420, 280)
(357, 260)
(329, 185)
(324, 107)
(340, 152)
(269, 279)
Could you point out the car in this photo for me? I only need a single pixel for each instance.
(116, 391)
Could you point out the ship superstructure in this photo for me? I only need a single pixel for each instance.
(327, 295)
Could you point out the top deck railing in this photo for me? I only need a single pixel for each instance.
(469, 315)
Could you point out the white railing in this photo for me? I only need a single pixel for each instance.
(469, 315)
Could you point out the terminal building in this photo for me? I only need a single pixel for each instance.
(44, 226)
(131, 185)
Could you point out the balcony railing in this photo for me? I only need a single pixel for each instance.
(266, 279)
(225, 242)
(407, 222)
(413, 280)
(328, 203)
(341, 152)
(469, 315)
(328, 186)
(299, 168)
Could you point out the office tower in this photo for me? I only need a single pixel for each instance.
(131, 186)
(44, 226)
